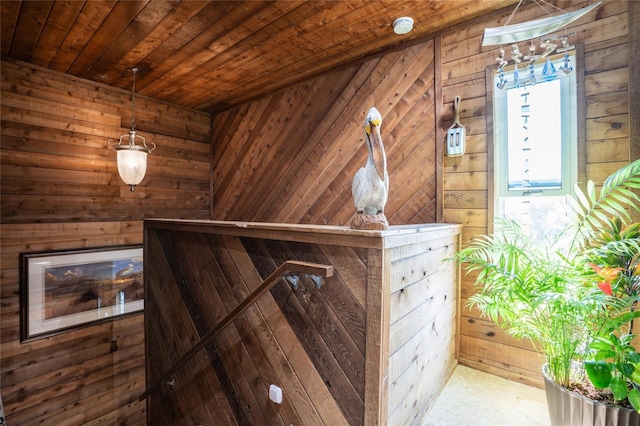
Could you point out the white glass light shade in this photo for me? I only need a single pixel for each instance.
(132, 165)
(132, 158)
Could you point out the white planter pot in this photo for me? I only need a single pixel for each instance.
(568, 408)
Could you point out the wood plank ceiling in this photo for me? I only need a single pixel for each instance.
(213, 55)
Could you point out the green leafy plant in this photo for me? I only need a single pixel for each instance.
(547, 291)
(620, 373)
(613, 363)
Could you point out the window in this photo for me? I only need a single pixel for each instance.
(535, 143)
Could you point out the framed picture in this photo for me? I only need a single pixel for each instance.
(64, 290)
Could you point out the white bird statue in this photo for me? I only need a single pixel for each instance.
(371, 183)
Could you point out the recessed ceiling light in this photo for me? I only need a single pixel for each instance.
(403, 25)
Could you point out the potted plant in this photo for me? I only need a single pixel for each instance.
(572, 294)
(611, 360)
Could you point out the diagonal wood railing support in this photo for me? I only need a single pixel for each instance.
(287, 267)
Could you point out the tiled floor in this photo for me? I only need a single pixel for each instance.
(472, 397)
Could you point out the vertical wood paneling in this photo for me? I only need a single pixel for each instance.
(291, 157)
(634, 90)
(61, 190)
(468, 179)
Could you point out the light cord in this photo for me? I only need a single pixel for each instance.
(133, 100)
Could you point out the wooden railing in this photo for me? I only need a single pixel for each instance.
(290, 266)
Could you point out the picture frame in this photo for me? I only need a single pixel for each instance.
(61, 291)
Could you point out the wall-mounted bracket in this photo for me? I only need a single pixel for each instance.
(317, 280)
(293, 280)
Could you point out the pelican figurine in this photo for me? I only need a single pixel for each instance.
(371, 183)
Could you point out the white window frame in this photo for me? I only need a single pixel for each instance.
(572, 88)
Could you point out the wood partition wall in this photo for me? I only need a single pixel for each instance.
(373, 345)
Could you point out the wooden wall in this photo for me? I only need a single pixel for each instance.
(291, 157)
(288, 157)
(373, 345)
(310, 343)
(61, 190)
(604, 34)
(423, 324)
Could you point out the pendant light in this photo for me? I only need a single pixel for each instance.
(132, 158)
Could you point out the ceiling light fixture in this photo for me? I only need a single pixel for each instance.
(132, 158)
(403, 25)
